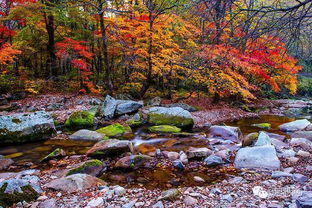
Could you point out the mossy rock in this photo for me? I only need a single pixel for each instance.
(28, 194)
(164, 129)
(263, 125)
(114, 130)
(134, 124)
(55, 154)
(80, 119)
(250, 139)
(91, 167)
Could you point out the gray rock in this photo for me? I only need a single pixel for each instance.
(262, 157)
(108, 108)
(227, 197)
(181, 105)
(302, 134)
(74, 183)
(119, 191)
(263, 139)
(158, 205)
(95, 101)
(154, 102)
(302, 142)
(198, 152)
(5, 162)
(213, 160)
(288, 153)
(86, 135)
(127, 106)
(177, 164)
(293, 126)
(225, 132)
(133, 161)
(26, 127)
(130, 204)
(280, 174)
(170, 194)
(54, 107)
(110, 147)
(170, 116)
(49, 203)
(190, 201)
(304, 200)
(300, 178)
(97, 202)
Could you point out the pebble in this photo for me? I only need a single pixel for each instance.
(299, 178)
(139, 204)
(130, 204)
(158, 205)
(293, 160)
(227, 197)
(302, 153)
(183, 157)
(190, 201)
(96, 202)
(119, 191)
(198, 179)
(59, 194)
(42, 198)
(173, 155)
(177, 164)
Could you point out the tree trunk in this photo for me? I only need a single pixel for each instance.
(51, 62)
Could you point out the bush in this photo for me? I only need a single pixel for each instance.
(304, 86)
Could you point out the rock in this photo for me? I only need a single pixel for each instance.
(95, 101)
(170, 116)
(293, 126)
(119, 191)
(302, 142)
(139, 204)
(198, 179)
(279, 174)
(80, 119)
(304, 200)
(302, 134)
(127, 106)
(164, 129)
(170, 194)
(136, 121)
(293, 160)
(110, 147)
(133, 161)
(309, 168)
(97, 202)
(300, 153)
(177, 164)
(190, 201)
(158, 205)
(57, 153)
(263, 139)
(5, 162)
(26, 127)
(224, 154)
(213, 160)
(224, 132)
(262, 157)
(288, 153)
(130, 204)
(124, 97)
(250, 139)
(300, 178)
(156, 101)
(90, 167)
(183, 157)
(50, 203)
(114, 130)
(54, 106)
(262, 125)
(108, 108)
(75, 183)
(173, 155)
(18, 190)
(181, 105)
(198, 152)
(86, 135)
(227, 197)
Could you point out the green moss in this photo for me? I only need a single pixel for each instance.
(161, 119)
(114, 130)
(250, 139)
(16, 120)
(56, 153)
(164, 129)
(7, 200)
(134, 123)
(80, 119)
(263, 125)
(84, 166)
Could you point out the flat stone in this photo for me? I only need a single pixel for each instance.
(293, 126)
(86, 135)
(262, 157)
(110, 147)
(198, 152)
(225, 132)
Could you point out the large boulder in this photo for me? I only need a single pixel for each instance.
(26, 127)
(107, 110)
(293, 126)
(80, 119)
(258, 157)
(225, 132)
(75, 183)
(19, 190)
(127, 106)
(110, 147)
(170, 116)
(86, 135)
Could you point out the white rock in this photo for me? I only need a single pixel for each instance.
(198, 179)
(98, 202)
